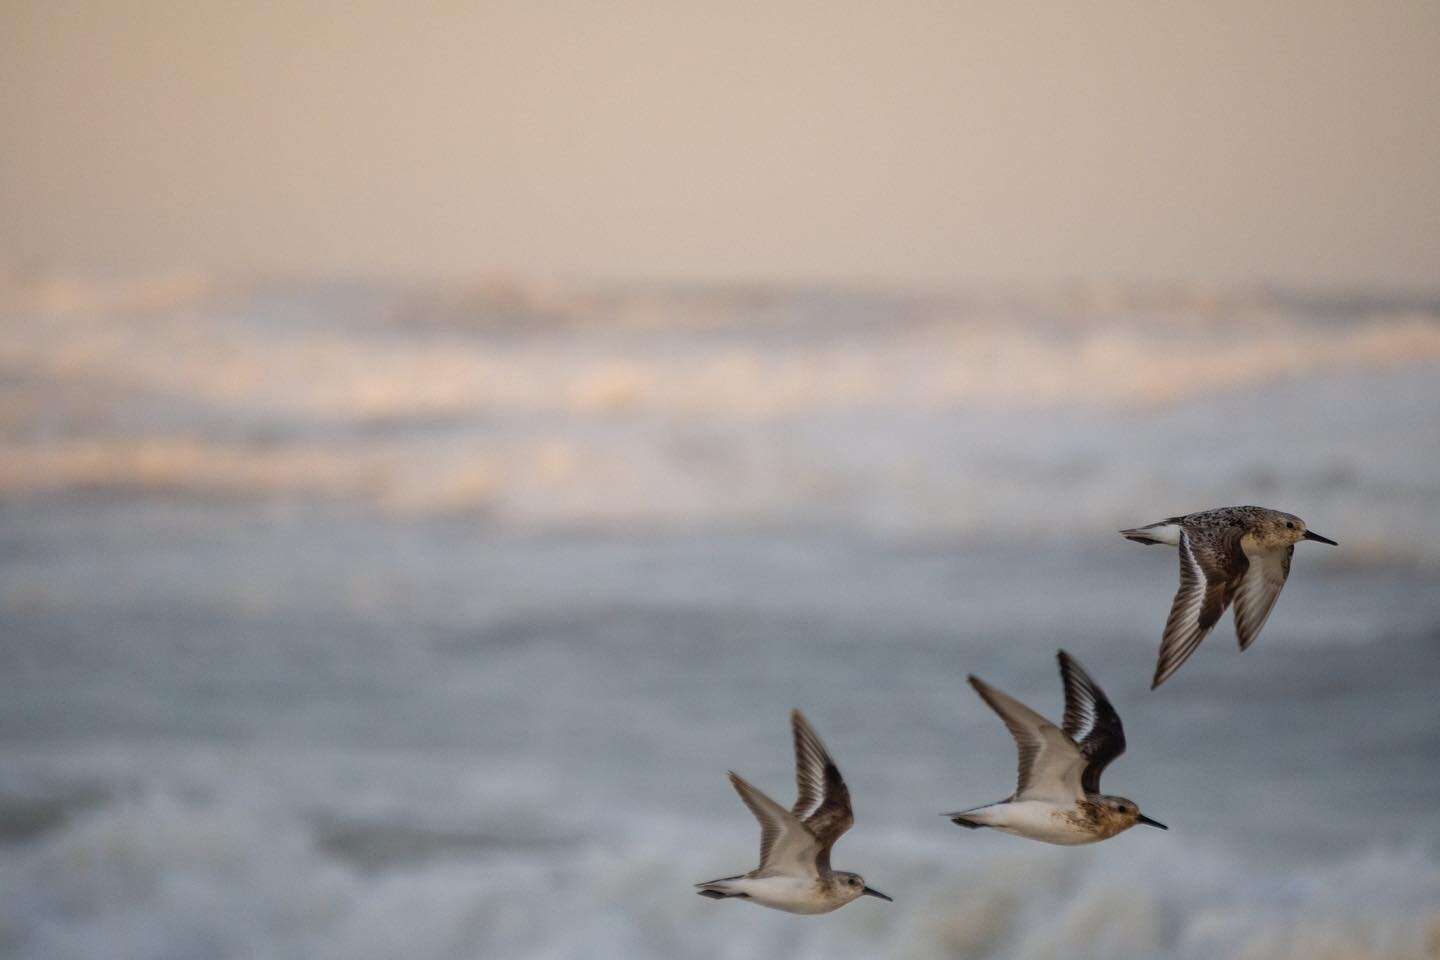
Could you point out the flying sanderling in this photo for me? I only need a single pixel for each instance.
(1058, 798)
(1239, 554)
(794, 873)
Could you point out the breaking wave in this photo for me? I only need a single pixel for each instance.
(163, 874)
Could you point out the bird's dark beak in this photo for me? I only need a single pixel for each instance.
(1141, 818)
(1312, 535)
(876, 893)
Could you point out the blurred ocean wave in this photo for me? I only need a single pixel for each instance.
(237, 867)
(365, 620)
(903, 414)
(314, 351)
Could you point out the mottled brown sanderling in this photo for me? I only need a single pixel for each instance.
(794, 873)
(1058, 798)
(1239, 554)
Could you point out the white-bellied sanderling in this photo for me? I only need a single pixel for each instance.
(794, 873)
(1058, 798)
(1239, 554)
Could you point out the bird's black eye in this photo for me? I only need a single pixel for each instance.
(1289, 524)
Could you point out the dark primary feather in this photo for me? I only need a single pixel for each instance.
(1090, 721)
(823, 801)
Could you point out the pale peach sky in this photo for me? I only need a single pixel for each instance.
(968, 142)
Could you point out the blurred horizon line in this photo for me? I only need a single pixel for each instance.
(19, 273)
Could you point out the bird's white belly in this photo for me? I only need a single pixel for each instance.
(791, 894)
(1037, 820)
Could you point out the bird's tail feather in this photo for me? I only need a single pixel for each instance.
(718, 889)
(1142, 534)
(966, 818)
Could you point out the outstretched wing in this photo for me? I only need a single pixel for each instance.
(1050, 762)
(1258, 590)
(823, 803)
(1211, 562)
(787, 847)
(1090, 721)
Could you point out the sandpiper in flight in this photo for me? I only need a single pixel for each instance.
(1058, 798)
(1239, 554)
(794, 873)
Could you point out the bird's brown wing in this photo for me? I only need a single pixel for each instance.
(823, 801)
(1211, 566)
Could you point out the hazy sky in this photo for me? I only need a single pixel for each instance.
(1289, 142)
